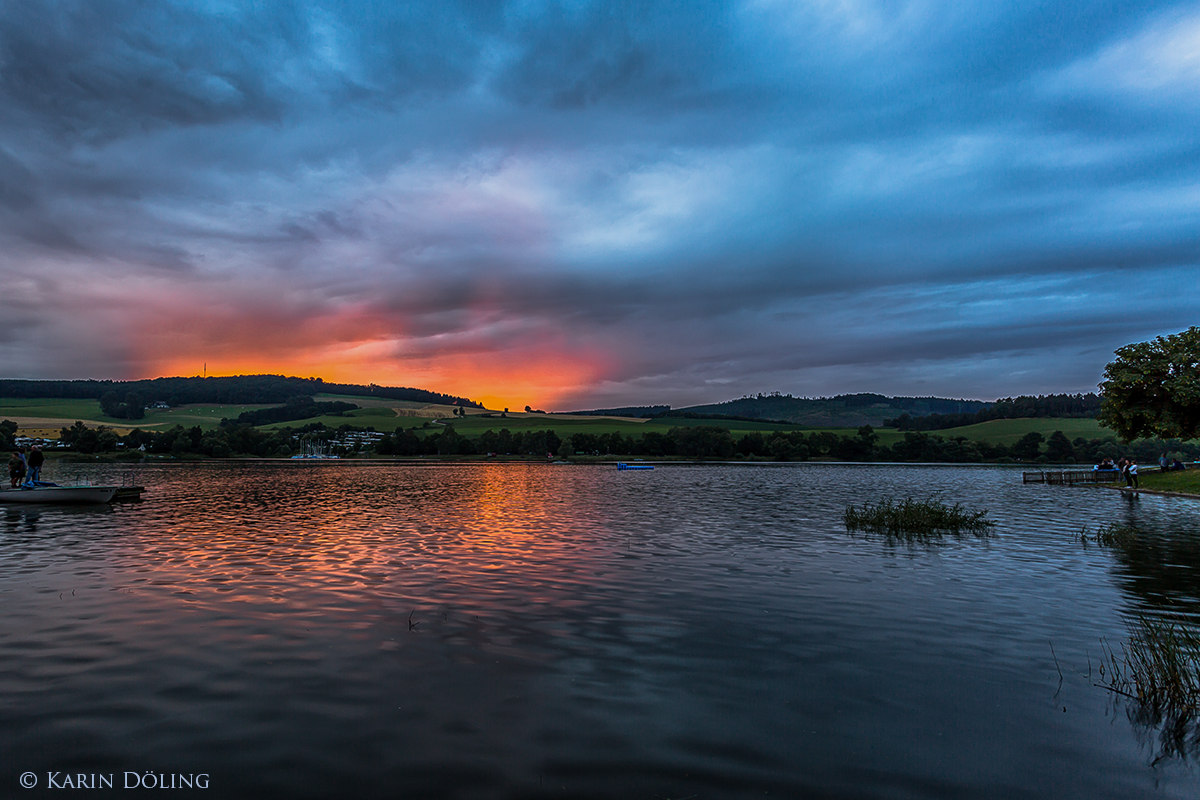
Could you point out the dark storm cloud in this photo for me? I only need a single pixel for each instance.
(99, 69)
(723, 197)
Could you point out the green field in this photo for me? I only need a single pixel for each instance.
(475, 424)
(1008, 431)
(51, 414)
(380, 418)
(207, 416)
(375, 402)
(50, 408)
(388, 415)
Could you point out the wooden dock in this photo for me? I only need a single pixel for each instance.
(128, 493)
(1064, 477)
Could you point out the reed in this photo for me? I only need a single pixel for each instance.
(1159, 671)
(916, 519)
(1113, 535)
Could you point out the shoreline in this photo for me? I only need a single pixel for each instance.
(1164, 493)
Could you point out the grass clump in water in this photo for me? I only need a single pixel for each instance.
(1114, 535)
(916, 519)
(1159, 671)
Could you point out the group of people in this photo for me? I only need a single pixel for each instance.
(24, 464)
(1128, 468)
(1167, 464)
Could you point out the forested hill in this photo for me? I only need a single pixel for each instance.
(1023, 407)
(842, 411)
(239, 390)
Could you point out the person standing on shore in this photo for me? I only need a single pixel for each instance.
(1133, 481)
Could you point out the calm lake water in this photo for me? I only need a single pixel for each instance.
(526, 631)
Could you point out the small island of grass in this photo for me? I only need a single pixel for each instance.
(916, 519)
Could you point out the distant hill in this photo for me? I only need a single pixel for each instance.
(842, 411)
(1057, 406)
(238, 389)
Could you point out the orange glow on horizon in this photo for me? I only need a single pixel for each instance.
(537, 379)
(501, 363)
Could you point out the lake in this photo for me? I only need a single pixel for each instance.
(294, 629)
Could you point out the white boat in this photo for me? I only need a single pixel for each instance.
(59, 494)
(314, 451)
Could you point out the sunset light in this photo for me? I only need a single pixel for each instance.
(498, 399)
(593, 209)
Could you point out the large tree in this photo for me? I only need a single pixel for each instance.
(1153, 388)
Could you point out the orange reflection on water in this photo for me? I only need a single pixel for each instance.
(330, 537)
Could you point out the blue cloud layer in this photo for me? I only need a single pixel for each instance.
(931, 198)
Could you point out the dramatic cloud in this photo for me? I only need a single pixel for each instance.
(576, 204)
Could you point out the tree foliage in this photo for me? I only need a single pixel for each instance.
(8, 431)
(295, 408)
(689, 442)
(1153, 388)
(133, 407)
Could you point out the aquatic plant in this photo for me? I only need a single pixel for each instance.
(915, 519)
(1112, 535)
(1159, 672)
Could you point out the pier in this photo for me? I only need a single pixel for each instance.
(1068, 477)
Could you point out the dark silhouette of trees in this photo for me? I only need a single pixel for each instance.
(1153, 388)
(235, 390)
(132, 407)
(1059, 448)
(8, 431)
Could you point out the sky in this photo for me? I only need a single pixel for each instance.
(595, 204)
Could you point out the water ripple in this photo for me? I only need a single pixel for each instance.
(525, 630)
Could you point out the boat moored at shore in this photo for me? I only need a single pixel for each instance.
(59, 494)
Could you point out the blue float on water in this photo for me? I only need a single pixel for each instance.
(633, 466)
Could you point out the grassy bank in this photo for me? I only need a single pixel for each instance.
(1187, 482)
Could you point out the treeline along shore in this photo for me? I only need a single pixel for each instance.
(697, 442)
(711, 442)
(181, 420)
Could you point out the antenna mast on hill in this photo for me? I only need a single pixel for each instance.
(205, 370)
